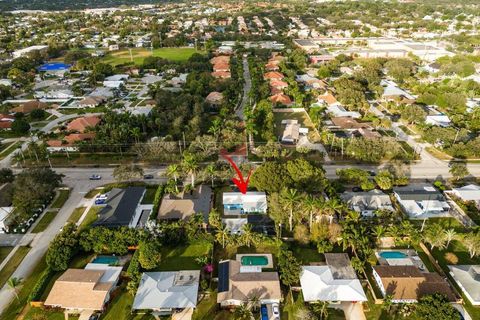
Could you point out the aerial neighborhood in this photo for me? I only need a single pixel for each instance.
(215, 160)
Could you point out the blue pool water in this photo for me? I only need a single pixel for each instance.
(55, 66)
(110, 260)
(393, 255)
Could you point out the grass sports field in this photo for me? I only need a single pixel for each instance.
(139, 54)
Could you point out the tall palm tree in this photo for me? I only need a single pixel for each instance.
(248, 236)
(190, 165)
(215, 128)
(379, 232)
(13, 283)
(450, 235)
(310, 206)
(290, 199)
(136, 133)
(210, 171)
(173, 171)
(223, 235)
(243, 312)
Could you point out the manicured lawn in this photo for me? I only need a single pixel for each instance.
(300, 116)
(139, 54)
(92, 193)
(9, 149)
(91, 217)
(120, 308)
(149, 195)
(206, 308)
(76, 214)
(45, 221)
(28, 283)
(39, 313)
(306, 255)
(184, 256)
(61, 198)
(4, 251)
(12, 264)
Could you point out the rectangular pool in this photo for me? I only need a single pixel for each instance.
(254, 261)
(393, 255)
(110, 260)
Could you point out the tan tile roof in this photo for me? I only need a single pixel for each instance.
(79, 289)
(328, 98)
(214, 97)
(221, 66)
(348, 123)
(30, 106)
(242, 286)
(409, 283)
(218, 59)
(81, 124)
(281, 99)
(278, 84)
(221, 74)
(273, 75)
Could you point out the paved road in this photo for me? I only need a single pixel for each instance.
(246, 89)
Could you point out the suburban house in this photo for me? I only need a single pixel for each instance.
(221, 74)
(467, 278)
(83, 124)
(367, 202)
(335, 282)
(84, 291)
(391, 92)
(278, 84)
(467, 193)
(6, 121)
(337, 110)
(421, 201)
(214, 98)
(115, 81)
(273, 75)
(407, 284)
(237, 285)
(281, 99)
(240, 209)
(439, 120)
(169, 292)
(186, 204)
(328, 99)
(29, 106)
(123, 208)
(235, 203)
(68, 142)
(90, 102)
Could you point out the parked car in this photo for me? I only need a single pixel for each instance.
(148, 176)
(95, 177)
(276, 310)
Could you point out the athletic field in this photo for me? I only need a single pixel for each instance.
(139, 54)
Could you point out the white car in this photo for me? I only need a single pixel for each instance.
(276, 311)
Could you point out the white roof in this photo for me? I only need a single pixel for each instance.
(170, 289)
(469, 192)
(249, 197)
(117, 77)
(111, 273)
(318, 284)
(339, 111)
(5, 212)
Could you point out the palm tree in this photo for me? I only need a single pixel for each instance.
(222, 235)
(320, 308)
(215, 128)
(248, 237)
(13, 283)
(211, 171)
(290, 199)
(450, 235)
(310, 205)
(435, 236)
(243, 312)
(173, 171)
(190, 165)
(254, 301)
(471, 241)
(136, 133)
(379, 232)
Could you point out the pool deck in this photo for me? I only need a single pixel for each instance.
(269, 257)
(411, 258)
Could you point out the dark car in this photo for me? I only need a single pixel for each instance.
(95, 177)
(148, 176)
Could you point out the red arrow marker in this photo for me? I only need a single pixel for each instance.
(240, 183)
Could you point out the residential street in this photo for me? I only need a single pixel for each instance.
(246, 89)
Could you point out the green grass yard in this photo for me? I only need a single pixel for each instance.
(120, 308)
(149, 195)
(62, 197)
(76, 214)
(139, 54)
(44, 222)
(90, 218)
(184, 256)
(4, 251)
(12, 264)
(302, 118)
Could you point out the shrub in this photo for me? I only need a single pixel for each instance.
(301, 234)
(41, 284)
(451, 258)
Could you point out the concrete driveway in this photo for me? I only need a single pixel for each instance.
(353, 311)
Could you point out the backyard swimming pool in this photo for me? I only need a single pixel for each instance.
(110, 260)
(254, 261)
(393, 255)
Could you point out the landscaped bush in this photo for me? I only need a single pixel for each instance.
(41, 284)
(451, 258)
